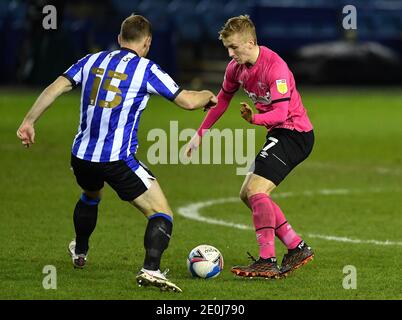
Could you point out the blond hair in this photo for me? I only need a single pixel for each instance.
(135, 28)
(241, 24)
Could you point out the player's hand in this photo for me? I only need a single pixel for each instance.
(192, 145)
(26, 133)
(246, 112)
(211, 103)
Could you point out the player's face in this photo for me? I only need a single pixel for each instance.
(239, 47)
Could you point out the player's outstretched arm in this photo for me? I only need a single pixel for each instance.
(213, 115)
(192, 100)
(26, 131)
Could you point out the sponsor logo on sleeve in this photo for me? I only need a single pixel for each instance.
(281, 86)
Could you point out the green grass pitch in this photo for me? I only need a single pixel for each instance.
(350, 189)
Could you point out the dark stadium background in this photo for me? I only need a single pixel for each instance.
(308, 34)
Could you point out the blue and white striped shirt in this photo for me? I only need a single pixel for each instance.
(116, 86)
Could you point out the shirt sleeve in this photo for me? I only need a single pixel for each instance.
(280, 94)
(160, 83)
(74, 73)
(230, 85)
(279, 82)
(215, 113)
(274, 117)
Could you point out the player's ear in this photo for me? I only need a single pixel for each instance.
(148, 41)
(119, 39)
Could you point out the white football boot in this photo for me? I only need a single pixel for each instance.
(157, 279)
(79, 260)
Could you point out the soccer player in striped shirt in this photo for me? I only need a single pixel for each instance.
(269, 83)
(116, 86)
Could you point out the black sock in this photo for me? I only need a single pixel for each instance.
(156, 239)
(85, 216)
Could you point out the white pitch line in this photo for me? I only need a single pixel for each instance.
(192, 211)
(345, 239)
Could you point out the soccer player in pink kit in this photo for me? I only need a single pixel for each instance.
(269, 83)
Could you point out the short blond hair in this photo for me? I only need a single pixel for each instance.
(135, 27)
(241, 24)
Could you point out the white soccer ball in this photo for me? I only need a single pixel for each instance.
(205, 261)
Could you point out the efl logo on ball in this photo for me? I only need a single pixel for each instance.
(205, 261)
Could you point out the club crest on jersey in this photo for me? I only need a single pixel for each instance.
(263, 86)
(259, 99)
(281, 86)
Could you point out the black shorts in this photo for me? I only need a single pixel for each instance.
(283, 150)
(129, 177)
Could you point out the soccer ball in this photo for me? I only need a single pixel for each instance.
(205, 261)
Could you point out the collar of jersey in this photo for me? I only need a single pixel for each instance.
(128, 49)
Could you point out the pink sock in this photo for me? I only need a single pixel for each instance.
(283, 229)
(264, 223)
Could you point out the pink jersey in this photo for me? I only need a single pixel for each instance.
(271, 86)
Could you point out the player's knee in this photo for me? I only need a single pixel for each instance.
(251, 190)
(243, 195)
(160, 206)
(268, 192)
(167, 213)
(155, 208)
(166, 210)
